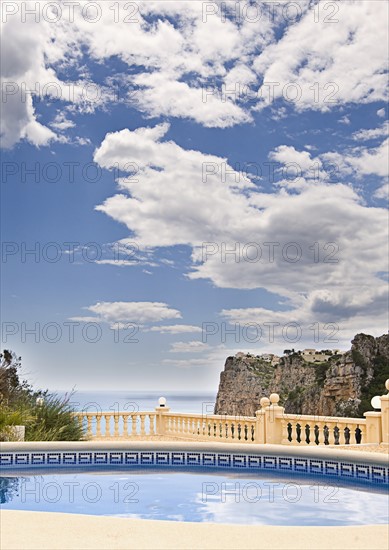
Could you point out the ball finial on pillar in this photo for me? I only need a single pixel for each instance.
(274, 398)
(264, 402)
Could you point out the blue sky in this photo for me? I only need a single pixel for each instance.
(186, 162)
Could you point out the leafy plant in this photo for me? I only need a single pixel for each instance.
(52, 420)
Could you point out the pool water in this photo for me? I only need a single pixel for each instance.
(201, 497)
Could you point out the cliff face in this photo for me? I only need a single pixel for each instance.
(341, 386)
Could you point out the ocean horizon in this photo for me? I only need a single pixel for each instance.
(133, 401)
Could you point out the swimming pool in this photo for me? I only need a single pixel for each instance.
(217, 497)
(186, 481)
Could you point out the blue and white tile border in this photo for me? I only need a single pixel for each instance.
(354, 466)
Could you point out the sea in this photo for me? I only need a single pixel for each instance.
(134, 401)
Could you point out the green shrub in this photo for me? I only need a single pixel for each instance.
(53, 420)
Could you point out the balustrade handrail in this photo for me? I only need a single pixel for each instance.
(316, 418)
(113, 413)
(283, 415)
(213, 416)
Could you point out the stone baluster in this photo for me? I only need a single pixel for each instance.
(285, 440)
(321, 434)
(116, 425)
(152, 420)
(312, 437)
(342, 439)
(293, 433)
(89, 432)
(362, 427)
(125, 425)
(133, 425)
(252, 434)
(191, 426)
(331, 435)
(198, 427)
(107, 418)
(142, 424)
(229, 429)
(98, 426)
(170, 425)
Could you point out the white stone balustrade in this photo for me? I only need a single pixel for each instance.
(117, 425)
(214, 427)
(270, 425)
(299, 429)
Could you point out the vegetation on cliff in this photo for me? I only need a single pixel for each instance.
(341, 386)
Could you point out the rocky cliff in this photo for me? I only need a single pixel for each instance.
(341, 386)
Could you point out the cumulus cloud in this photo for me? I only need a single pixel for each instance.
(174, 53)
(162, 95)
(130, 312)
(177, 195)
(296, 244)
(32, 55)
(189, 347)
(361, 161)
(382, 192)
(372, 133)
(175, 329)
(331, 64)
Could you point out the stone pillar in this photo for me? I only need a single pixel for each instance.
(373, 427)
(273, 424)
(160, 420)
(385, 416)
(260, 432)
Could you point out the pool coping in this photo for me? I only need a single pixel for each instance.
(58, 531)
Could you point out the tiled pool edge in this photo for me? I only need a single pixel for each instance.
(358, 466)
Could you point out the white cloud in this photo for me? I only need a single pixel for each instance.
(130, 312)
(163, 95)
(85, 319)
(181, 54)
(345, 120)
(62, 123)
(372, 133)
(327, 317)
(118, 263)
(168, 204)
(169, 200)
(381, 113)
(372, 161)
(31, 55)
(382, 192)
(175, 329)
(189, 347)
(336, 58)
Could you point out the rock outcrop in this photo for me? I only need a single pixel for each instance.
(341, 386)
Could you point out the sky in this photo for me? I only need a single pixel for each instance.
(185, 180)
